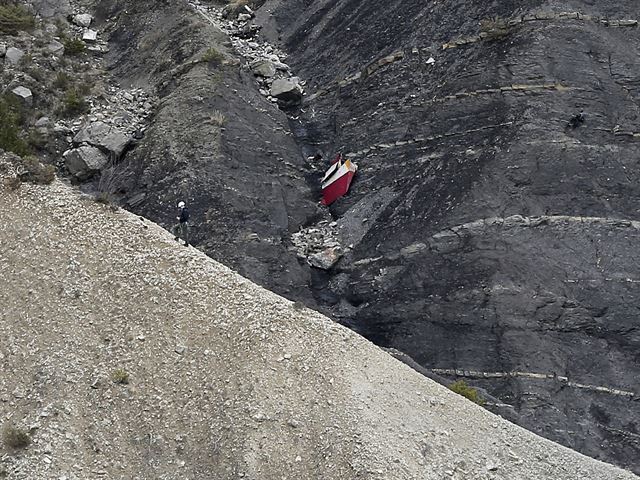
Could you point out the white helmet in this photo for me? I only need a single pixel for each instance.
(181, 205)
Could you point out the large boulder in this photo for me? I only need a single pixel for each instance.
(287, 90)
(105, 137)
(24, 95)
(82, 19)
(3, 49)
(85, 161)
(326, 258)
(13, 55)
(263, 68)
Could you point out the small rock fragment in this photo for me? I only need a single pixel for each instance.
(90, 35)
(13, 55)
(24, 95)
(82, 19)
(56, 47)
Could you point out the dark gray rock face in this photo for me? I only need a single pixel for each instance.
(535, 297)
(479, 228)
(215, 143)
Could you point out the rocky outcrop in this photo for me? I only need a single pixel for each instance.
(13, 55)
(84, 162)
(264, 68)
(104, 136)
(24, 95)
(287, 90)
(82, 19)
(216, 142)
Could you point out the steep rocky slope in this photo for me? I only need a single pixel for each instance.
(215, 142)
(225, 379)
(499, 238)
(489, 239)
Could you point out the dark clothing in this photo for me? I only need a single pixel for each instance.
(182, 229)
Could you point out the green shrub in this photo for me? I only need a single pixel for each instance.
(84, 87)
(74, 104)
(73, 46)
(10, 118)
(120, 376)
(26, 61)
(36, 140)
(15, 438)
(37, 74)
(62, 81)
(212, 56)
(495, 28)
(15, 18)
(461, 388)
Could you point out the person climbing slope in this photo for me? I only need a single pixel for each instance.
(181, 229)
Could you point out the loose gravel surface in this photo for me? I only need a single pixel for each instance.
(226, 380)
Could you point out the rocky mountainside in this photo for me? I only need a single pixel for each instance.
(127, 355)
(501, 236)
(490, 231)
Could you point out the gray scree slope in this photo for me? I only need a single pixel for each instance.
(227, 380)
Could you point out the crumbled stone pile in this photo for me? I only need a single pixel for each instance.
(56, 72)
(275, 78)
(319, 244)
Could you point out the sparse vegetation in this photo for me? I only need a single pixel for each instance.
(15, 18)
(217, 118)
(36, 140)
(461, 388)
(120, 376)
(73, 104)
(73, 46)
(14, 437)
(36, 73)
(62, 81)
(26, 61)
(12, 183)
(10, 118)
(33, 171)
(84, 87)
(104, 198)
(496, 28)
(111, 180)
(212, 56)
